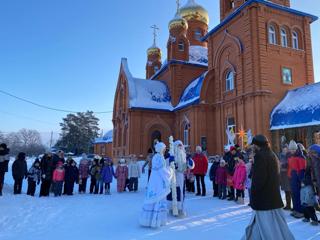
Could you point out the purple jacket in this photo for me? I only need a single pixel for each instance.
(107, 174)
(84, 168)
(221, 175)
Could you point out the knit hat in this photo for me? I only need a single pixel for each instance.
(260, 140)
(232, 148)
(122, 161)
(222, 161)
(293, 146)
(315, 148)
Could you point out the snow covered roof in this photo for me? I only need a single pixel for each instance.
(154, 94)
(192, 92)
(107, 138)
(198, 54)
(299, 108)
(149, 94)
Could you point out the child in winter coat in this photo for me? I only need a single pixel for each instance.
(83, 173)
(249, 176)
(134, 174)
(58, 178)
(19, 171)
(239, 180)
(34, 175)
(107, 173)
(93, 172)
(212, 175)
(221, 179)
(121, 175)
(308, 199)
(71, 176)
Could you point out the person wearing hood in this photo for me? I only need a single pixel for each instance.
(284, 179)
(107, 174)
(19, 171)
(121, 175)
(239, 179)
(200, 170)
(34, 175)
(296, 169)
(154, 210)
(46, 166)
(4, 161)
(268, 219)
(71, 176)
(83, 173)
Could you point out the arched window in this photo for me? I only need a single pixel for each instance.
(197, 34)
(186, 135)
(181, 46)
(295, 40)
(156, 68)
(284, 38)
(272, 35)
(230, 80)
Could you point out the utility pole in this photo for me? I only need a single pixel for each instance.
(51, 139)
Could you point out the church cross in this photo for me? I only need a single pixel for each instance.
(155, 28)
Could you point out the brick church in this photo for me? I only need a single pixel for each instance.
(230, 77)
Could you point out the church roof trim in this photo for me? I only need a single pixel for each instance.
(148, 94)
(267, 3)
(299, 108)
(168, 63)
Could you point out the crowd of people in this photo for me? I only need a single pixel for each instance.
(58, 175)
(172, 171)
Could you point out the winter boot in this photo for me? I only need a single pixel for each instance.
(314, 223)
(1, 186)
(305, 220)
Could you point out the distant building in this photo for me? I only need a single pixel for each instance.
(103, 145)
(297, 116)
(228, 78)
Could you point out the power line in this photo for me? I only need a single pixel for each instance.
(27, 118)
(44, 106)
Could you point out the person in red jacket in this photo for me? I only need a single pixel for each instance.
(58, 178)
(200, 170)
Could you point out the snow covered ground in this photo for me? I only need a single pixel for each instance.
(102, 217)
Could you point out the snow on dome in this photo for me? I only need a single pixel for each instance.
(198, 54)
(143, 93)
(192, 92)
(299, 108)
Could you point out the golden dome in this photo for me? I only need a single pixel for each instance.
(154, 50)
(178, 21)
(193, 11)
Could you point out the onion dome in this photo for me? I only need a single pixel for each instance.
(178, 21)
(154, 50)
(193, 11)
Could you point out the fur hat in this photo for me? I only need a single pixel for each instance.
(260, 140)
(222, 161)
(293, 146)
(199, 148)
(122, 161)
(160, 146)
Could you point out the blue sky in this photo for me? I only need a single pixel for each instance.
(66, 53)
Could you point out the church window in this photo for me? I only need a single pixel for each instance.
(272, 35)
(156, 68)
(181, 46)
(295, 40)
(197, 34)
(232, 5)
(286, 75)
(230, 80)
(284, 38)
(231, 124)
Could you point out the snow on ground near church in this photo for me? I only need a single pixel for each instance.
(102, 217)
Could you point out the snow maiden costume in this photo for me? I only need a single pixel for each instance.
(154, 210)
(268, 220)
